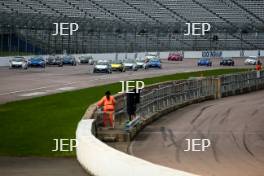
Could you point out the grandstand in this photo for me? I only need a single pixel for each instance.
(130, 25)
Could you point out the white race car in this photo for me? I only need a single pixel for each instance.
(102, 66)
(140, 63)
(18, 62)
(251, 60)
(130, 64)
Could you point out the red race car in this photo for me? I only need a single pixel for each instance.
(175, 57)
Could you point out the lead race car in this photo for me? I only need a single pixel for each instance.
(18, 62)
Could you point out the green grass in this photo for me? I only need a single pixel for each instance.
(28, 127)
(13, 53)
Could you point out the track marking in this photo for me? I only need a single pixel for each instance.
(65, 88)
(33, 94)
(34, 89)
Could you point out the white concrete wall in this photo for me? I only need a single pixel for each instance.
(251, 53)
(164, 55)
(231, 53)
(192, 54)
(101, 160)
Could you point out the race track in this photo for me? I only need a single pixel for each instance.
(33, 166)
(17, 84)
(235, 126)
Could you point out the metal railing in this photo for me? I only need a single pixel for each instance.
(241, 82)
(175, 94)
(162, 96)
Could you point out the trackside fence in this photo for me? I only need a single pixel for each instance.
(156, 100)
(241, 83)
(176, 93)
(159, 97)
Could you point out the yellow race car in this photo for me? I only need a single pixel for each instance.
(118, 66)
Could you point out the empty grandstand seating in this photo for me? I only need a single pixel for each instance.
(117, 25)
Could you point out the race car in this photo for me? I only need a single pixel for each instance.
(54, 60)
(118, 66)
(251, 60)
(150, 56)
(18, 62)
(130, 64)
(175, 57)
(37, 61)
(204, 62)
(86, 60)
(102, 66)
(154, 63)
(227, 62)
(69, 60)
(140, 63)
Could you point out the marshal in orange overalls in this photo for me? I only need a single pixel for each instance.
(258, 67)
(109, 108)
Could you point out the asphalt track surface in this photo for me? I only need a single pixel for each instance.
(234, 125)
(31, 166)
(18, 84)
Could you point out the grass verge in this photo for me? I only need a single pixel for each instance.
(28, 127)
(13, 53)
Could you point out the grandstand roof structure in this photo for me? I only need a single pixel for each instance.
(134, 25)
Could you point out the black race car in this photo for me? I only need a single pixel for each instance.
(54, 60)
(69, 60)
(227, 62)
(86, 60)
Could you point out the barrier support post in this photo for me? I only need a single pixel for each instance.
(218, 91)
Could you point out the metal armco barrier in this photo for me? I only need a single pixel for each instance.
(241, 83)
(177, 93)
(162, 96)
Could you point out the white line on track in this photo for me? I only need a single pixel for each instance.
(34, 89)
(65, 88)
(33, 94)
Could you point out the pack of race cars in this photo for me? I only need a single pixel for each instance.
(105, 66)
(52, 60)
(108, 66)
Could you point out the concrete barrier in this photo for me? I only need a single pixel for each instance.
(99, 159)
(102, 160)
(4, 61)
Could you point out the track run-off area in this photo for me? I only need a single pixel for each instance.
(18, 84)
(234, 126)
(37, 121)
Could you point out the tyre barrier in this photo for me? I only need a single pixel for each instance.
(99, 159)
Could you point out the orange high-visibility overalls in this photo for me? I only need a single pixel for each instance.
(258, 67)
(109, 108)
